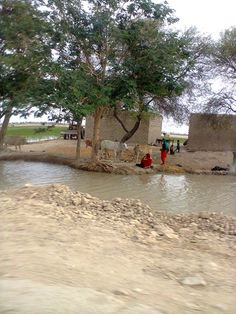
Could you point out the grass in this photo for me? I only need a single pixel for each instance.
(36, 131)
(181, 139)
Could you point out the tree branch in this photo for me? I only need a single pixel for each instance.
(119, 120)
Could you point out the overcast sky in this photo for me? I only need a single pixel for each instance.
(210, 17)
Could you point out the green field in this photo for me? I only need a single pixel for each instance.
(35, 131)
(181, 139)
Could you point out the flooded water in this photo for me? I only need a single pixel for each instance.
(173, 193)
(41, 139)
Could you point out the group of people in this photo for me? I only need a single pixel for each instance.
(146, 161)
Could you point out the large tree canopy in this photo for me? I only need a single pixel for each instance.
(223, 61)
(124, 55)
(107, 55)
(225, 54)
(23, 52)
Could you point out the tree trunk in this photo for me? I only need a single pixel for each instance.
(96, 133)
(5, 125)
(234, 159)
(79, 122)
(130, 133)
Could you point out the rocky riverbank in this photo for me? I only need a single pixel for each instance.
(129, 212)
(69, 252)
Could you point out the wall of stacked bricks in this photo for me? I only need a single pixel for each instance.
(212, 132)
(148, 132)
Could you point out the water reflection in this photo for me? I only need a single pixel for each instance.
(177, 193)
(41, 139)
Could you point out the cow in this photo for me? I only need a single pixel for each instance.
(17, 141)
(116, 147)
(89, 143)
(137, 152)
(141, 150)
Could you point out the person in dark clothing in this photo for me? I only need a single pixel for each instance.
(172, 152)
(146, 162)
(178, 146)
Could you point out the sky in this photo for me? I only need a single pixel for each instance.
(210, 17)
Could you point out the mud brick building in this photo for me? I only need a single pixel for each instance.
(212, 132)
(148, 132)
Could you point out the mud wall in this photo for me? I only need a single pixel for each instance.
(149, 130)
(212, 132)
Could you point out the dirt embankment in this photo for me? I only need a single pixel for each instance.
(63, 152)
(70, 252)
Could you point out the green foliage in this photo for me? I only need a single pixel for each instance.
(225, 52)
(30, 131)
(223, 63)
(114, 51)
(105, 52)
(24, 49)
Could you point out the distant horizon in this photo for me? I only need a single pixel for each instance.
(168, 125)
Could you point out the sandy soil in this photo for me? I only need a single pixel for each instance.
(59, 257)
(189, 161)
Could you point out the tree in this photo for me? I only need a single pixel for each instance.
(223, 61)
(24, 49)
(125, 54)
(225, 54)
(159, 67)
(64, 98)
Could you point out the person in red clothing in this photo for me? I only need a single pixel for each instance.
(164, 151)
(146, 162)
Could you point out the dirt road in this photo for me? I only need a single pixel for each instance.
(64, 252)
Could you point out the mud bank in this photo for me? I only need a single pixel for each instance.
(104, 165)
(69, 252)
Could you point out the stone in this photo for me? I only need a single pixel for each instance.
(117, 200)
(87, 216)
(215, 227)
(167, 232)
(75, 202)
(204, 215)
(137, 290)
(185, 231)
(121, 292)
(220, 306)
(193, 226)
(193, 306)
(84, 200)
(193, 281)
(154, 233)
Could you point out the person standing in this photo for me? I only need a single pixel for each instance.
(164, 151)
(178, 146)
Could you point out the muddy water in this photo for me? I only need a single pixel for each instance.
(176, 193)
(41, 139)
